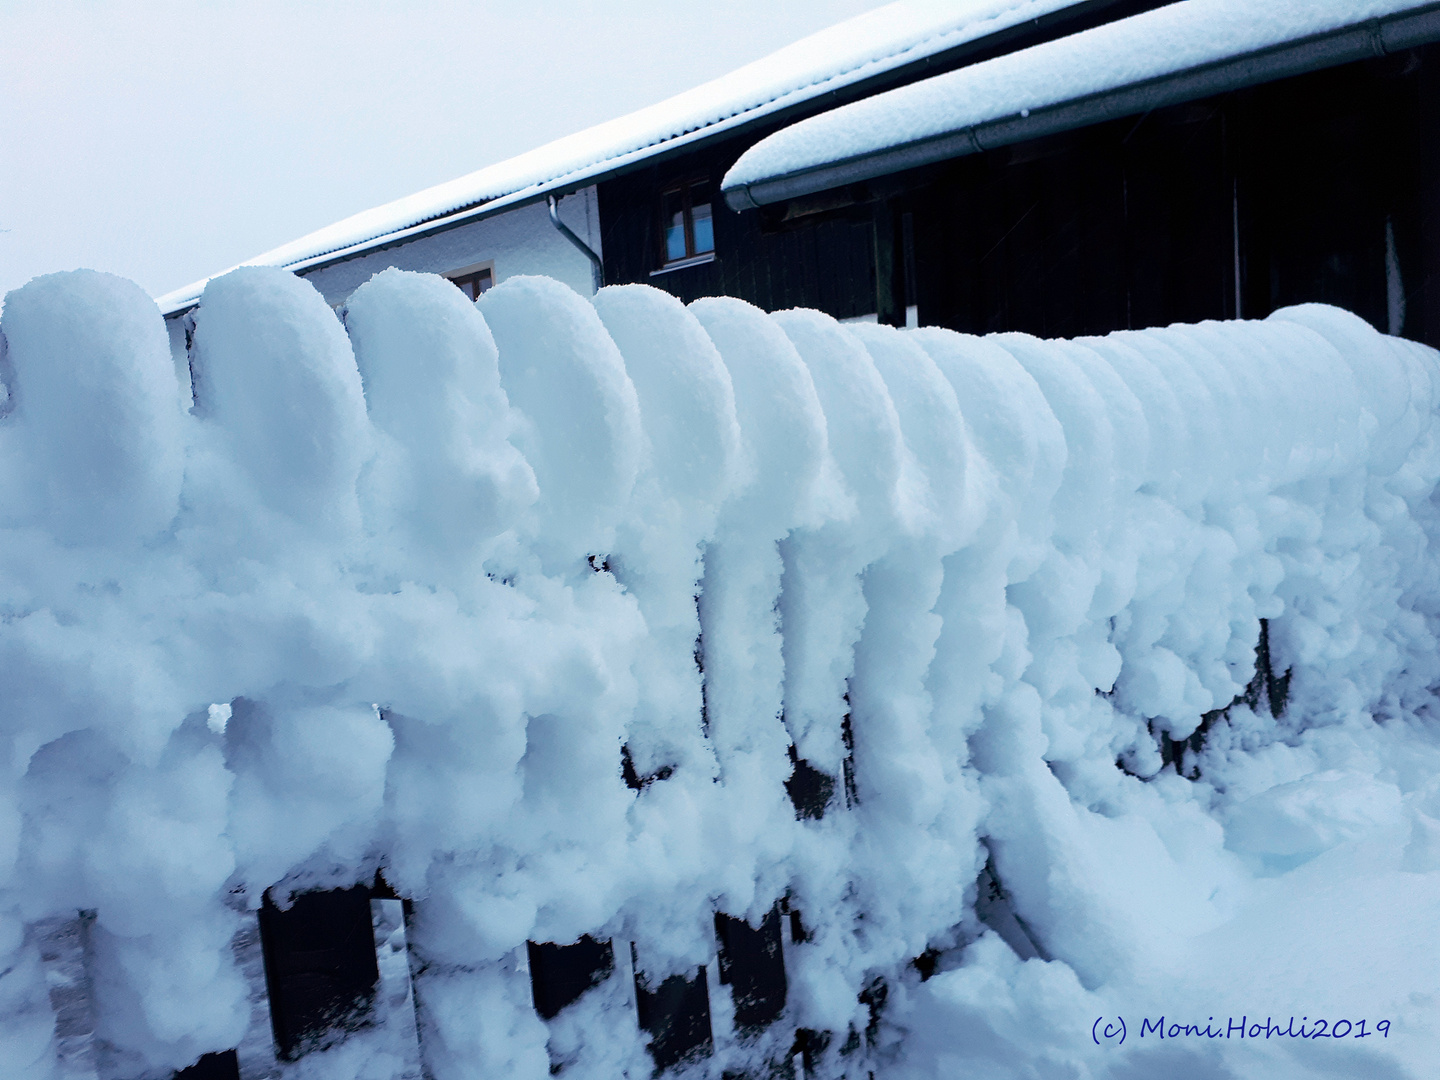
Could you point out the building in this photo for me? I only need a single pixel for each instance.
(1249, 163)
(1204, 161)
(540, 213)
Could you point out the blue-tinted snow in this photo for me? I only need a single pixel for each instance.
(433, 573)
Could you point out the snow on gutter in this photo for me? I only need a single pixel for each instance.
(869, 45)
(1182, 52)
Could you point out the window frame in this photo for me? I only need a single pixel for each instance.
(685, 189)
(474, 271)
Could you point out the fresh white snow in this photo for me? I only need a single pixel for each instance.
(395, 593)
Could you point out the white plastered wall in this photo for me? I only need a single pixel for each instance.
(522, 241)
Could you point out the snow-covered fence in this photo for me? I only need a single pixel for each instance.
(709, 684)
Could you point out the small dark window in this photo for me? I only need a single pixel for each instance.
(472, 285)
(687, 228)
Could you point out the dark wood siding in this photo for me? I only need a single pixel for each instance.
(1119, 226)
(1148, 220)
(1326, 160)
(824, 260)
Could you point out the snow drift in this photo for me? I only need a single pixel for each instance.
(1039, 681)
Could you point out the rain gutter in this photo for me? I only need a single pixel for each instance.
(1375, 37)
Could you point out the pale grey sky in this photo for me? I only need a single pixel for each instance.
(165, 140)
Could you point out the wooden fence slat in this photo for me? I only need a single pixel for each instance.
(320, 966)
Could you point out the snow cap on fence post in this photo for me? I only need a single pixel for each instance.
(863, 428)
(686, 398)
(579, 422)
(787, 474)
(934, 430)
(93, 443)
(445, 473)
(276, 383)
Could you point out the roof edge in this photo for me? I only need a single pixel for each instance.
(1346, 44)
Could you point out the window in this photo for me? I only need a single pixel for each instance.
(474, 280)
(687, 228)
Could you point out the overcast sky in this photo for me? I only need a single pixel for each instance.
(165, 141)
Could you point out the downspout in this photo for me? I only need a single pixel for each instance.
(597, 268)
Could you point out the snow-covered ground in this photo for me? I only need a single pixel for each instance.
(395, 593)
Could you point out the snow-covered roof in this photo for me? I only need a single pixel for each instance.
(1183, 51)
(860, 48)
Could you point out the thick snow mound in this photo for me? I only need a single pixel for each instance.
(1042, 681)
